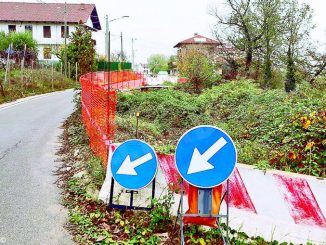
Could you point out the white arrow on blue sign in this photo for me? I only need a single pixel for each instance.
(205, 156)
(134, 164)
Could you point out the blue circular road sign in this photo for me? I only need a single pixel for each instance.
(205, 156)
(134, 164)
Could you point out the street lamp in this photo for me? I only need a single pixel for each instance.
(107, 21)
(107, 43)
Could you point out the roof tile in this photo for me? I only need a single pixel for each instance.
(44, 12)
(198, 39)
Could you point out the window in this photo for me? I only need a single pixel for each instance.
(47, 31)
(47, 53)
(29, 28)
(12, 28)
(63, 31)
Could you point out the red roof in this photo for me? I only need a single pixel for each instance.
(198, 39)
(48, 12)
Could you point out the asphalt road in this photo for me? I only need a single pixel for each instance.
(30, 210)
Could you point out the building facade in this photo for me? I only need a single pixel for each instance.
(46, 21)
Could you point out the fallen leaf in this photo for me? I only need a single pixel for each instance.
(100, 238)
(106, 226)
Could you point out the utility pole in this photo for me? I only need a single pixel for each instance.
(133, 51)
(121, 54)
(108, 44)
(65, 33)
(106, 36)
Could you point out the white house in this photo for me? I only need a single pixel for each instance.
(46, 22)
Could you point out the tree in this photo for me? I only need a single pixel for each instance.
(239, 27)
(19, 40)
(198, 68)
(172, 63)
(297, 21)
(116, 57)
(269, 13)
(313, 64)
(80, 49)
(157, 62)
(4, 41)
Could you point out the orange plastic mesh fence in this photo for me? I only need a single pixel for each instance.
(99, 105)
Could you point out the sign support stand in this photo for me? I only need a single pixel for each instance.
(131, 202)
(123, 170)
(209, 214)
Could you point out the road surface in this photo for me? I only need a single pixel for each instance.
(30, 210)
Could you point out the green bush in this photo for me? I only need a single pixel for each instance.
(286, 130)
(18, 40)
(166, 108)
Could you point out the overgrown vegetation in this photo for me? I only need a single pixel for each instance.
(91, 222)
(31, 82)
(272, 129)
(81, 175)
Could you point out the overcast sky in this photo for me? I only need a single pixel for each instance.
(159, 25)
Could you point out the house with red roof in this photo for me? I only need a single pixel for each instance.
(219, 52)
(198, 41)
(46, 22)
(213, 47)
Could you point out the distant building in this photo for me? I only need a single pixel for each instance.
(213, 47)
(219, 52)
(145, 69)
(197, 41)
(46, 22)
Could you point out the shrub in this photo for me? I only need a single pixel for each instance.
(198, 68)
(286, 130)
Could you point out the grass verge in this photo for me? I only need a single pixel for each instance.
(32, 82)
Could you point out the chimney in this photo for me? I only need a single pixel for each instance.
(195, 34)
(82, 6)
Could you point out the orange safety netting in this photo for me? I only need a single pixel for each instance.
(99, 105)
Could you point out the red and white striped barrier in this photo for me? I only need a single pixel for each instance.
(275, 205)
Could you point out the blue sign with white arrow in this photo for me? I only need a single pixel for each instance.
(134, 164)
(205, 156)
